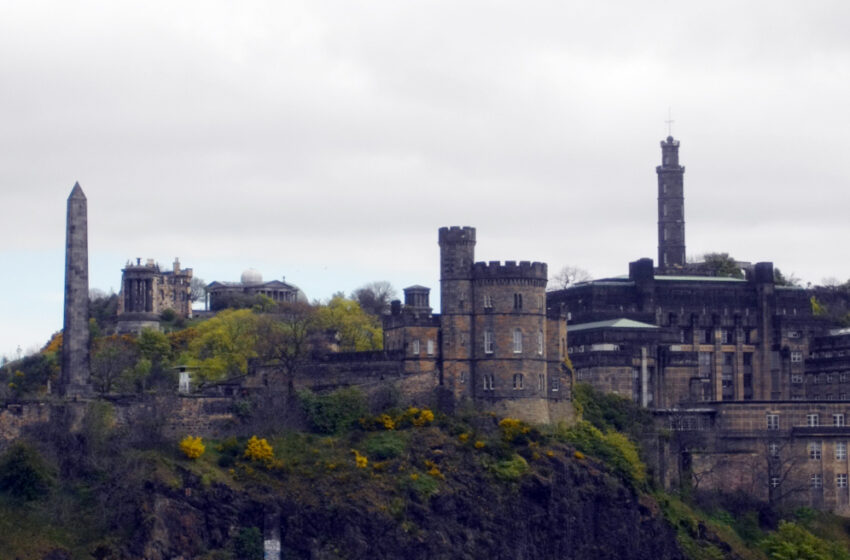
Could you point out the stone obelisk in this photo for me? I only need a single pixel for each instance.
(75, 379)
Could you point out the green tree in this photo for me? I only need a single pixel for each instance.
(24, 474)
(223, 345)
(355, 329)
(792, 542)
(721, 264)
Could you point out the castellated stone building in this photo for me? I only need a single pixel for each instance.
(147, 291)
(493, 343)
(753, 385)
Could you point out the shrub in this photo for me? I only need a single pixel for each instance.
(510, 469)
(360, 460)
(613, 448)
(385, 445)
(513, 429)
(258, 450)
(24, 474)
(335, 412)
(793, 541)
(248, 544)
(230, 450)
(192, 447)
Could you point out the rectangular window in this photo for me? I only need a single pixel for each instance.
(517, 301)
(772, 421)
(796, 357)
(430, 347)
(774, 482)
(841, 480)
(705, 364)
(837, 419)
(812, 420)
(517, 341)
(556, 385)
(540, 342)
(415, 347)
(773, 449)
(843, 378)
(828, 378)
(540, 381)
(463, 377)
(796, 378)
(815, 482)
(726, 337)
(840, 450)
(488, 342)
(488, 382)
(539, 302)
(518, 381)
(488, 302)
(814, 451)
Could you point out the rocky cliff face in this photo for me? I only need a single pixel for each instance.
(570, 510)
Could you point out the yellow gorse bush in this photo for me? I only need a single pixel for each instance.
(512, 428)
(360, 460)
(258, 450)
(192, 447)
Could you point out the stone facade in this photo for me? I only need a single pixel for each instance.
(147, 291)
(221, 295)
(671, 207)
(493, 343)
(75, 376)
(752, 384)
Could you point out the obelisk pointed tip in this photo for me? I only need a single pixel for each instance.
(77, 191)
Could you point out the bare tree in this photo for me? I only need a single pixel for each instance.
(375, 297)
(197, 289)
(568, 276)
(284, 338)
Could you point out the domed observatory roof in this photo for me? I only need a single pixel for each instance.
(252, 277)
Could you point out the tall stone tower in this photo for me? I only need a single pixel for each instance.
(457, 253)
(75, 380)
(671, 207)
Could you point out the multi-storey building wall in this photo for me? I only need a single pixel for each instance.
(497, 344)
(147, 291)
(509, 322)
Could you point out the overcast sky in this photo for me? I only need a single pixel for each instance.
(327, 141)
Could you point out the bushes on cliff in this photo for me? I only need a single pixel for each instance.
(24, 474)
(335, 412)
(608, 411)
(791, 541)
(613, 447)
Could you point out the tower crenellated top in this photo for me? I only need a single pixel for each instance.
(457, 234)
(670, 154)
(524, 270)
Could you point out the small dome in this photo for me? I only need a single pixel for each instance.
(252, 277)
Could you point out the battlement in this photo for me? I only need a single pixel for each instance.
(457, 234)
(510, 269)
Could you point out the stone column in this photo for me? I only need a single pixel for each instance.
(75, 376)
